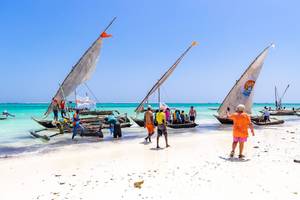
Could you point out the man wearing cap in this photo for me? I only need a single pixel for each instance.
(241, 123)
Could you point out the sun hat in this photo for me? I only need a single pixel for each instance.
(240, 107)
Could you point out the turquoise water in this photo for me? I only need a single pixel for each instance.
(16, 130)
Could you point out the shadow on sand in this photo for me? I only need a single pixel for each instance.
(234, 159)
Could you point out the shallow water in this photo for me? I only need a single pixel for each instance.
(14, 132)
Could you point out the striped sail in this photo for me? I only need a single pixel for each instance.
(242, 91)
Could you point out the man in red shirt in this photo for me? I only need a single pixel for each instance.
(62, 108)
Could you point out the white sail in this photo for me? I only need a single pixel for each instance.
(82, 71)
(242, 91)
(166, 75)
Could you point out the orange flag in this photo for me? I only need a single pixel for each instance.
(105, 35)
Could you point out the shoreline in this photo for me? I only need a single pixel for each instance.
(192, 167)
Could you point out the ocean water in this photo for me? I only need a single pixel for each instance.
(15, 131)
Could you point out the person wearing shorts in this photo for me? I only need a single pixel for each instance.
(149, 123)
(241, 123)
(161, 127)
(266, 115)
(192, 114)
(55, 109)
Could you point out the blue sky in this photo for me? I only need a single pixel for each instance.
(41, 40)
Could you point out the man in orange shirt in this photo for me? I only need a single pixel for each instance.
(241, 123)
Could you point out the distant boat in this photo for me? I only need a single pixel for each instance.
(3, 118)
(156, 87)
(5, 115)
(279, 109)
(242, 91)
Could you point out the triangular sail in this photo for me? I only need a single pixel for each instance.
(242, 91)
(280, 99)
(81, 72)
(166, 75)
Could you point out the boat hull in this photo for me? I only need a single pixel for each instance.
(185, 125)
(261, 122)
(45, 123)
(139, 122)
(224, 120)
(282, 112)
(86, 122)
(97, 112)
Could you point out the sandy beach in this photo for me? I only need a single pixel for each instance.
(194, 167)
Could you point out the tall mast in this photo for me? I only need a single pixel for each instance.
(164, 77)
(280, 100)
(158, 96)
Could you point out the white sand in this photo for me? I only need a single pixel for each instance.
(190, 169)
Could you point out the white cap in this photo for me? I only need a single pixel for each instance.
(240, 107)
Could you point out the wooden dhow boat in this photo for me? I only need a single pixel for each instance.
(156, 87)
(80, 73)
(261, 122)
(279, 109)
(242, 91)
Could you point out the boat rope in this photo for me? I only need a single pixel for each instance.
(66, 102)
(93, 94)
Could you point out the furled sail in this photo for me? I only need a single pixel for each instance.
(242, 91)
(82, 71)
(166, 75)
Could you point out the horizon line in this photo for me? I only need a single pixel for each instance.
(149, 103)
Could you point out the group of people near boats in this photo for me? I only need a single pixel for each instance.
(241, 124)
(58, 106)
(161, 117)
(75, 122)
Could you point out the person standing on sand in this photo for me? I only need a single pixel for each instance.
(266, 115)
(62, 108)
(76, 124)
(149, 123)
(55, 109)
(192, 114)
(161, 127)
(241, 123)
(168, 115)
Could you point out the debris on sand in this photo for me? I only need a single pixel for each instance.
(138, 184)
